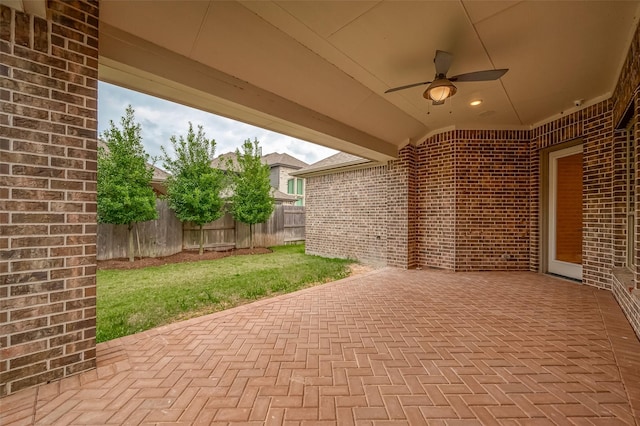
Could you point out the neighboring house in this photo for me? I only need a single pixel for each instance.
(158, 182)
(282, 166)
(281, 198)
(221, 161)
(287, 188)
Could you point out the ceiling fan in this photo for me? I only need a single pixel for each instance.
(442, 87)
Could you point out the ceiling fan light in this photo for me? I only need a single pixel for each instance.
(440, 93)
(440, 90)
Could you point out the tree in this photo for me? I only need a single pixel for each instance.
(194, 187)
(251, 201)
(125, 196)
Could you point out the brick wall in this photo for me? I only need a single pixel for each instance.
(628, 82)
(400, 209)
(346, 215)
(366, 214)
(48, 122)
(619, 205)
(626, 110)
(597, 244)
(637, 190)
(435, 202)
(474, 196)
(593, 126)
(492, 200)
(473, 206)
(632, 309)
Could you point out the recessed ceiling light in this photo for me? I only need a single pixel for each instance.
(475, 102)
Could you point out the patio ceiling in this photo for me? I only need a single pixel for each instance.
(318, 70)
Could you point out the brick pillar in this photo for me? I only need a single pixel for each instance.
(436, 201)
(48, 122)
(401, 233)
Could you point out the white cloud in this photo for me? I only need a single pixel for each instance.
(162, 119)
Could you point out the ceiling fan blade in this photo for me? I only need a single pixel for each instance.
(395, 89)
(486, 75)
(443, 62)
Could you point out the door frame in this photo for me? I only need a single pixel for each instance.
(543, 208)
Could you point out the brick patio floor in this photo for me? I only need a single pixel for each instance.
(390, 347)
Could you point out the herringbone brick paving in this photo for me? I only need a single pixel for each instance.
(391, 347)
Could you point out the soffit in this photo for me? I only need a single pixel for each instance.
(338, 58)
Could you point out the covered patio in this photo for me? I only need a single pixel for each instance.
(388, 347)
(459, 187)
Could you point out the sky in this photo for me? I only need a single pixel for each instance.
(160, 119)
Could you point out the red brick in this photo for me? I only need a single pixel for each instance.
(34, 265)
(37, 218)
(41, 117)
(34, 358)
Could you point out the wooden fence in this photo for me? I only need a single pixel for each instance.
(286, 225)
(155, 238)
(167, 236)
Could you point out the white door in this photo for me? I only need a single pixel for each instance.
(565, 212)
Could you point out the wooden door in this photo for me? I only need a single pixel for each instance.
(565, 212)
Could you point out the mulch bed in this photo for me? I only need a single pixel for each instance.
(185, 256)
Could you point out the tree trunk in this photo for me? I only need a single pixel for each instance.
(251, 236)
(201, 240)
(130, 229)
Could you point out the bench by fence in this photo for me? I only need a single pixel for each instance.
(166, 235)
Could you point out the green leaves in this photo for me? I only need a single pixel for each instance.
(194, 188)
(124, 188)
(252, 201)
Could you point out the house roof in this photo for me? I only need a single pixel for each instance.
(334, 163)
(276, 159)
(273, 159)
(325, 66)
(220, 162)
(159, 175)
(281, 196)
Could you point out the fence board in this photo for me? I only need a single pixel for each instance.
(294, 223)
(155, 238)
(218, 235)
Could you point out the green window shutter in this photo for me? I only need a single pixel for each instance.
(290, 188)
(300, 187)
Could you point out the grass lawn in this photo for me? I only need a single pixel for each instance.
(130, 301)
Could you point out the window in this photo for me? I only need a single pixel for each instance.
(290, 186)
(631, 198)
(300, 187)
(298, 202)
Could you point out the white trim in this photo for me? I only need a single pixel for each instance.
(570, 110)
(338, 168)
(558, 267)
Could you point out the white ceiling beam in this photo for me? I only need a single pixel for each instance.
(30, 7)
(36, 8)
(136, 64)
